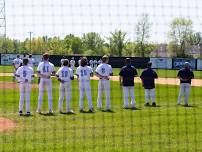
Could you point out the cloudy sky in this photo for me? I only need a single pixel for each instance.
(62, 17)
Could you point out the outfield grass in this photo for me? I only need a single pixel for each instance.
(161, 73)
(161, 129)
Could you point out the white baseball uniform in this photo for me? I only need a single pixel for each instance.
(31, 62)
(99, 62)
(24, 75)
(91, 63)
(46, 68)
(84, 74)
(16, 63)
(104, 70)
(65, 74)
(72, 64)
(95, 64)
(79, 62)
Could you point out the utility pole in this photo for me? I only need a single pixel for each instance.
(30, 41)
(2, 19)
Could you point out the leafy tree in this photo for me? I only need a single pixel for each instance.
(117, 42)
(142, 31)
(180, 35)
(93, 43)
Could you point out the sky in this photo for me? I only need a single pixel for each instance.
(62, 17)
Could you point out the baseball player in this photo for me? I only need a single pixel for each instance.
(24, 75)
(65, 75)
(185, 75)
(84, 73)
(103, 72)
(45, 70)
(148, 77)
(95, 64)
(72, 64)
(79, 61)
(31, 61)
(99, 62)
(17, 62)
(127, 75)
(91, 63)
(61, 61)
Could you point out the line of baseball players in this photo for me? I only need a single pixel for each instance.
(65, 75)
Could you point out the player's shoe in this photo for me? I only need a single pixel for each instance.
(91, 110)
(154, 104)
(50, 112)
(186, 105)
(38, 111)
(134, 108)
(108, 110)
(125, 107)
(70, 112)
(82, 111)
(28, 114)
(20, 113)
(147, 104)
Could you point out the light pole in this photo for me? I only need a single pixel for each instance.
(30, 41)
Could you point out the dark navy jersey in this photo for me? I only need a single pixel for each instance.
(186, 74)
(148, 76)
(128, 73)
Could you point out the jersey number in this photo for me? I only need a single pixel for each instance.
(64, 74)
(45, 69)
(24, 74)
(83, 73)
(103, 70)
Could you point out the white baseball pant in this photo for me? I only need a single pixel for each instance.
(103, 85)
(184, 91)
(126, 91)
(150, 94)
(45, 83)
(65, 90)
(25, 89)
(85, 87)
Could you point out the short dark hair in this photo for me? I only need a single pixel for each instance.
(128, 61)
(45, 56)
(149, 64)
(18, 56)
(84, 61)
(105, 58)
(65, 62)
(25, 61)
(30, 55)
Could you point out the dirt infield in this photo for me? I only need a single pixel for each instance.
(6, 124)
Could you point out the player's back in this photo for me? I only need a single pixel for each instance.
(104, 69)
(65, 73)
(25, 72)
(45, 68)
(84, 73)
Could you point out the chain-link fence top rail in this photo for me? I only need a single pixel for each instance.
(98, 114)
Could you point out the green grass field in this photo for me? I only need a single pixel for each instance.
(161, 129)
(161, 73)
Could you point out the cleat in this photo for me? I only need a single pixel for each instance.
(91, 110)
(153, 104)
(82, 111)
(28, 114)
(38, 111)
(147, 104)
(108, 110)
(50, 112)
(126, 107)
(186, 105)
(20, 113)
(70, 112)
(134, 108)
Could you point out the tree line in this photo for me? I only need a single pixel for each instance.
(181, 38)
